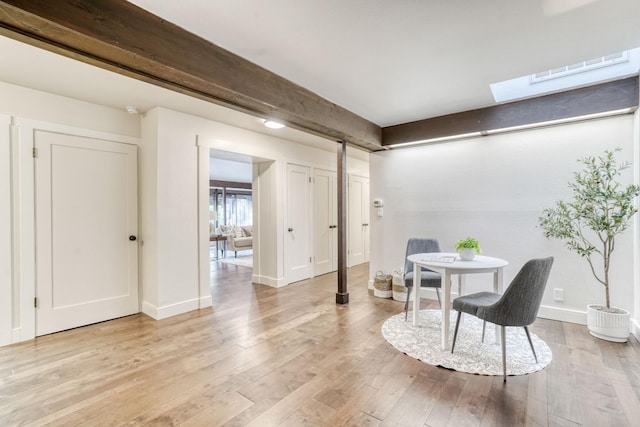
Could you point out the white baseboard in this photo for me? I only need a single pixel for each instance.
(16, 335)
(205, 302)
(150, 310)
(545, 312)
(269, 281)
(159, 313)
(430, 293)
(563, 314)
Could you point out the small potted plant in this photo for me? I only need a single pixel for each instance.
(468, 248)
(600, 210)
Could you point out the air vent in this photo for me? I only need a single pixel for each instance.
(580, 67)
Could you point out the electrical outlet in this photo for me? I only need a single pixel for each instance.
(558, 294)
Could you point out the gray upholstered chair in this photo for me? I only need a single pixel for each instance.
(428, 278)
(518, 306)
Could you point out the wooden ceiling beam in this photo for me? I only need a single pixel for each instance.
(121, 37)
(600, 98)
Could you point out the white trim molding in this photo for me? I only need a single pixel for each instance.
(205, 302)
(269, 281)
(159, 313)
(563, 314)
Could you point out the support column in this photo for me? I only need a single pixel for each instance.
(342, 296)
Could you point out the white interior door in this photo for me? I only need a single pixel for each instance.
(366, 217)
(86, 214)
(298, 224)
(358, 219)
(325, 255)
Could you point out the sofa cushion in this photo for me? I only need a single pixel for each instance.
(247, 230)
(242, 242)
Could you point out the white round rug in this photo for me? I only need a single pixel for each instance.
(471, 355)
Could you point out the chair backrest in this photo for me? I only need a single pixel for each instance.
(419, 245)
(520, 303)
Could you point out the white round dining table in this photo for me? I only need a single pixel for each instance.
(448, 264)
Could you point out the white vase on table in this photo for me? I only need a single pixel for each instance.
(467, 254)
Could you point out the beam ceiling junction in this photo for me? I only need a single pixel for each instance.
(121, 37)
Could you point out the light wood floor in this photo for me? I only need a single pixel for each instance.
(292, 357)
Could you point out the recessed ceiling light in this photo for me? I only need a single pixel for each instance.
(273, 125)
(131, 110)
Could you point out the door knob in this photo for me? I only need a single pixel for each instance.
(290, 229)
(365, 225)
(132, 237)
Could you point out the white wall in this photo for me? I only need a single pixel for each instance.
(6, 258)
(494, 188)
(148, 193)
(181, 218)
(266, 211)
(19, 101)
(171, 182)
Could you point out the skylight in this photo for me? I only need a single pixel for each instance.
(610, 67)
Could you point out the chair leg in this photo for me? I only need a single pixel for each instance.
(484, 328)
(455, 332)
(526, 329)
(438, 294)
(406, 303)
(504, 353)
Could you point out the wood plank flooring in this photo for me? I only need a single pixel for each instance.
(292, 357)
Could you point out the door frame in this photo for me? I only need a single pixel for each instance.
(6, 249)
(24, 244)
(265, 270)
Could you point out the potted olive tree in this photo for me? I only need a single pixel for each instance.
(601, 209)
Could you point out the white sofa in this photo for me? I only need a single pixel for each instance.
(239, 238)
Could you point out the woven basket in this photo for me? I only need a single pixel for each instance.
(382, 285)
(399, 290)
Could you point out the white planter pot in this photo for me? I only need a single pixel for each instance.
(467, 254)
(611, 326)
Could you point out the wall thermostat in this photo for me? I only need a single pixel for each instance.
(377, 203)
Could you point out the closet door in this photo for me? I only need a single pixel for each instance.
(298, 224)
(86, 231)
(325, 223)
(366, 216)
(358, 219)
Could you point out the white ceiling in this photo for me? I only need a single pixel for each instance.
(390, 61)
(395, 61)
(230, 170)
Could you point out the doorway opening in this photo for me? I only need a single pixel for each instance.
(230, 209)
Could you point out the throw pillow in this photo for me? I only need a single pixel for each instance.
(247, 231)
(226, 229)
